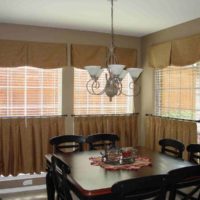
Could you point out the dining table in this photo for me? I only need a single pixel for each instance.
(93, 182)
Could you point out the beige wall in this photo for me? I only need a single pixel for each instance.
(147, 94)
(42, 34)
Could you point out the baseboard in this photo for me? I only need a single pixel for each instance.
(22, 183)
(22, 189)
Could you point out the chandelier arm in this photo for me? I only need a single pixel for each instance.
(136, 87)
(87, 86)
(90, 88)
(96, 93)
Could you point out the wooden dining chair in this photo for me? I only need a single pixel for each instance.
(67, 143)
(153, 187)
(172, 147)
(194, 157)
(183, 178)
(59, 174)
(194, 153)
(101, 140)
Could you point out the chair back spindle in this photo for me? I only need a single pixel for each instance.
(67, 143)
(101, 140)
(172, 147)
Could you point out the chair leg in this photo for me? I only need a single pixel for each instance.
(190, 195)
(198, 196)
(172, 195)
(50, 185)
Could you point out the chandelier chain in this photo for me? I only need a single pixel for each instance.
(112, 26)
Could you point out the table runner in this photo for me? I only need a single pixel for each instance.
(139, 163)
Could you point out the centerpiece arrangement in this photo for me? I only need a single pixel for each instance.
(119, 156)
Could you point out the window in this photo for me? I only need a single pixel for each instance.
(177, 92)
(85, 103)
(29, 91)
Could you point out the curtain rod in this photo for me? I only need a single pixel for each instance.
(99, 115)
(189, 120)
(66, 115)
(25, 117)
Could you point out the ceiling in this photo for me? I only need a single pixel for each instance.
(131, 17)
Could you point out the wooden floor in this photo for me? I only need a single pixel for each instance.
(28, 195)
(35, 195)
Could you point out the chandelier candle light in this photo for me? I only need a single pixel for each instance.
(115, 73)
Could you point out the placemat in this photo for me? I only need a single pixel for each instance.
(139, 163)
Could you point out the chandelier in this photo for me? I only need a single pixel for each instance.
(115, 73)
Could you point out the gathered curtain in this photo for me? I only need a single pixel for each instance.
(24, 143)
(35, 54)
(83, 55)
(126, 127)
(179, 52)
(161, 127)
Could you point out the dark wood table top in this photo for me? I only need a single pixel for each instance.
(94, 180)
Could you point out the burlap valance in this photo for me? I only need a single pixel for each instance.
(127, 56)
(47, 55)
(159, 55)
(36, 54)
(13, 53)
(181, 52)
(186, 51)
(83, 55)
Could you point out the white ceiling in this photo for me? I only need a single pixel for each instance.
(131, 17)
